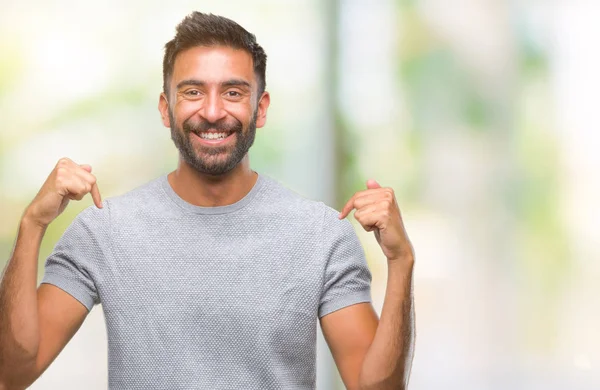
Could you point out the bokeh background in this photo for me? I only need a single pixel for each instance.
(481, 114)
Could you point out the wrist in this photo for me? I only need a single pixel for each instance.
(403, 262)
(29, 221)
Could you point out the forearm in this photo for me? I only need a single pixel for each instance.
(19, 327)
(388, 360)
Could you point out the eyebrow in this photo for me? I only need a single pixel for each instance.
(227, 83)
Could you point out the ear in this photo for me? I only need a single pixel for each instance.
(163, 108)
(263, 105)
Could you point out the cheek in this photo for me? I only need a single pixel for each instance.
(184, 110)
(241, 112)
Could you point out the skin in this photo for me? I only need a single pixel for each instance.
(213, 101)
(371, 354)
(35, 325)
(209, 85)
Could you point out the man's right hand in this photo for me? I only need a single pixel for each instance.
(36, 325)
(67, 181)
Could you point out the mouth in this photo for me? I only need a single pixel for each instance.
(213, 137)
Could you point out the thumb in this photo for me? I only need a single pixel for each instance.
(372, 184)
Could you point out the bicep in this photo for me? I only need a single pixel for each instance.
(60, 316)
(349, 333)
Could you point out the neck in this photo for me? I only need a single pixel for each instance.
(210, 191)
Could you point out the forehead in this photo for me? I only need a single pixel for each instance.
(213, 64)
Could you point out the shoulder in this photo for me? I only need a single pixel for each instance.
(144, 193)
(283, 199)
(117, 207)
(136, 201)
(279, 195)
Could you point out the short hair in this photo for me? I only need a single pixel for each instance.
(198, 29)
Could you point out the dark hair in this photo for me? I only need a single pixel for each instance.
(198, 29)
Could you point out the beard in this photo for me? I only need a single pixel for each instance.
(213, 160)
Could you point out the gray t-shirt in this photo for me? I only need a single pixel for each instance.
(211, 297)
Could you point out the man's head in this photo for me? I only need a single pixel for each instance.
(213, 86)
(198, 29)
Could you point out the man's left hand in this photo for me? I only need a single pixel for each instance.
(378, 211)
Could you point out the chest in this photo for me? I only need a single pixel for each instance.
(223, 269)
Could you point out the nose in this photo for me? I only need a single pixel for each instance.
(212, 108)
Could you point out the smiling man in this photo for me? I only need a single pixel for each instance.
(212, 276)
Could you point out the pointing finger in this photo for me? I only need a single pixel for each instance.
(96, 196)
(347, 208)
(371, 185)
(95, 192)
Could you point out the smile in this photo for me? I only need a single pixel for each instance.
(207, 135)
(213, 138)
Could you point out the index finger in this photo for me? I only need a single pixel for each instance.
(350, 204)
(96, 196)
(347, 207)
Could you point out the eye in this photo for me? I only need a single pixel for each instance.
(192, 92)
(233, 94)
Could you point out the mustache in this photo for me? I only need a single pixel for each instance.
(221, 125)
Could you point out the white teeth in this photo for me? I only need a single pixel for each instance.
(213, 135)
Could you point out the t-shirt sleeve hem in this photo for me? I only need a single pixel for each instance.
(70, 288)
(344, 301)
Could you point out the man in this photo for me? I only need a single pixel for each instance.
(213, 276)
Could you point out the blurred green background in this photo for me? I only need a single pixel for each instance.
(480, 114)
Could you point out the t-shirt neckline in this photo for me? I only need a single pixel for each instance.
(164, 183)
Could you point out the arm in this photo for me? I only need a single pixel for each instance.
(349, 333)
(36, 324)
(386, 362)
(371, 353)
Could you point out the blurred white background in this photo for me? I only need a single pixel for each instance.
(480, 114)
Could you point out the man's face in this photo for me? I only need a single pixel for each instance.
(212, 108)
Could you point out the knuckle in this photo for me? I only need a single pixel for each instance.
(63, 161)
(61, 171)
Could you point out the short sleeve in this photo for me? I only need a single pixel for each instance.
(347, 279)
(73, 264)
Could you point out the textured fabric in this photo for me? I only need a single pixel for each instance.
(211, 297)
